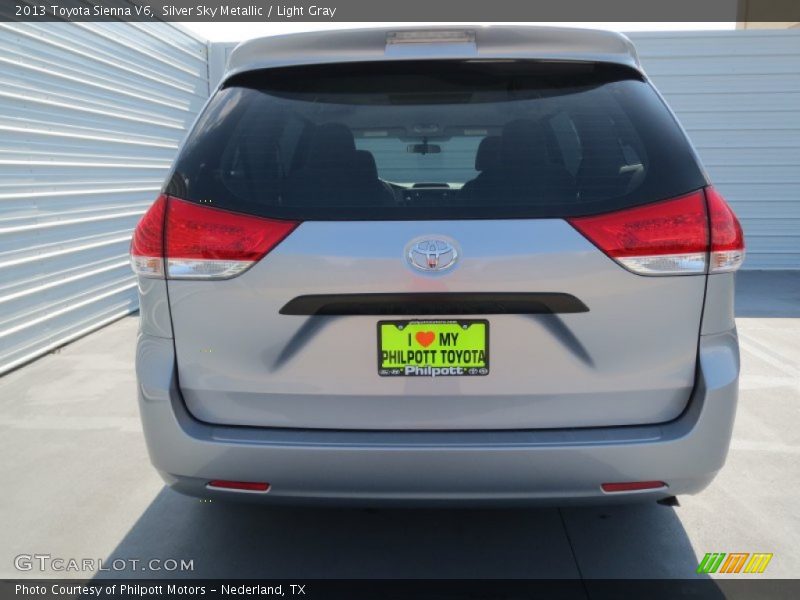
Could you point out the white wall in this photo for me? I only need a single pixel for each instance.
(91, 115)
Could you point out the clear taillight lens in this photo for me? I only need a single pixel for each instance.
(200, 242)
(693, 234)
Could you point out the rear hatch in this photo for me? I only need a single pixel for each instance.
(436, 245)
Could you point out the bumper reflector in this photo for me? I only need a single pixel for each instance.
(632, 486)
(242, 486)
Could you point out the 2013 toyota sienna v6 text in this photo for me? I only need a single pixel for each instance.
(481, 265)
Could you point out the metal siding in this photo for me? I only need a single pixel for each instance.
(91, 115)
(737, 93)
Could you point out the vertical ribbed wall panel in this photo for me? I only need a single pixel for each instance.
(91, 115)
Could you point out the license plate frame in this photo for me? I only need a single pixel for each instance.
(439, 366)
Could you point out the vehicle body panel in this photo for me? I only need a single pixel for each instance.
(561, 466)
(241, 363)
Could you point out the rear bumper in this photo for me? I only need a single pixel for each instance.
(396, 467)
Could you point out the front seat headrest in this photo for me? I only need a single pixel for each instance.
(365, 164)
(488, 155)
(331, 144)
(524, 144)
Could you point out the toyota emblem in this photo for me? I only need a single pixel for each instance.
(432, 254)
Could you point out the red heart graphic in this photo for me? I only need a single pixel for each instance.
(425, 338)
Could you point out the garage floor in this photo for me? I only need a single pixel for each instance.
(77, 483)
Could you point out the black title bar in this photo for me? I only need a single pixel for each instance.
(393, 589)
(404, 10)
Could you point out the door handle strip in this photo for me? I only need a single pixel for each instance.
(435, 303)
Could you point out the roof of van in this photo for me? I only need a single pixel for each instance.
(414, 43)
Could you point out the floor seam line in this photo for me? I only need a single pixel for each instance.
(572, 551)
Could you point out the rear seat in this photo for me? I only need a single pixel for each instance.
(525, 172)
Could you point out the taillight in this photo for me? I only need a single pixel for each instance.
(692, 234)
(727, 238)
(147, 245)
(665, 238)
(208, 243)
(201, 242)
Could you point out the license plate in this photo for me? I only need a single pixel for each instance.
(433, 348)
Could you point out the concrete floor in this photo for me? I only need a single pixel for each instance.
(77, 483)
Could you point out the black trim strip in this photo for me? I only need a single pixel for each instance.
(450, 303)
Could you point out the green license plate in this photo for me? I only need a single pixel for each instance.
(433, 348)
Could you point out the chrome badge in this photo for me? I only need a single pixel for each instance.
(432, 254)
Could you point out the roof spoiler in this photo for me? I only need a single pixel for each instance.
(478, 42)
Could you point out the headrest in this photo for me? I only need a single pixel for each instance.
(331, 144)
(488, 155)
(524, 143)
(365, 164)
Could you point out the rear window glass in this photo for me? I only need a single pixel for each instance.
(435, 139)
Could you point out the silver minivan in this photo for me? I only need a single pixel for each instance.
(478, 265)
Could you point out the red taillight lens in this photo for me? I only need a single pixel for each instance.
(727, 238)
(632, 486)
(147, 245)
(696, 233)
(200, 242)
(246, 486)
(665, 238)
(204, 242)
